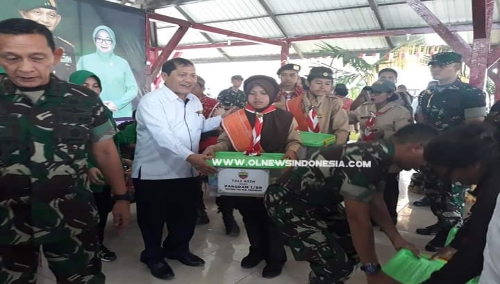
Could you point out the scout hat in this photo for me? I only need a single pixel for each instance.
(445, 58)
(383, 87)
(267, 83)
(321, 73)
(290, 66)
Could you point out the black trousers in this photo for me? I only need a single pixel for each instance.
(391, 194)
(173, 202)
(265, 238)
(104, 204)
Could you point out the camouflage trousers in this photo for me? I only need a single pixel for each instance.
(72, 260)
(447, 200)
(315, 233)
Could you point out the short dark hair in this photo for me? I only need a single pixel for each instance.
(173, 63)
(20, 26)
(463, 146)
(388, 70)
(402, 86)
(415, 133)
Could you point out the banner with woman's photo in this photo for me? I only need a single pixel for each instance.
(104, 38)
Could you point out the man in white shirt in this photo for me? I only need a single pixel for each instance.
(491, 269)
(169, 125)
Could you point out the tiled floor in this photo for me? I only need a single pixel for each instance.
(223, 254)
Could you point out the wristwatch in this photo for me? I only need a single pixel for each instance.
(125, 197)
(371, 268)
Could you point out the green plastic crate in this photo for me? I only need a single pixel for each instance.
(250, 162)
(311, 139)
(407, 269)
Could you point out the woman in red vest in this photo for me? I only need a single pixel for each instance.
(260, 128)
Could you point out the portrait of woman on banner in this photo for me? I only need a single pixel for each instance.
(114, 72)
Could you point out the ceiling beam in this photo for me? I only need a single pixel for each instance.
(310, 12)
(374, 7)
(456, 42)
(210, 29)
(168, 49)
(279, 25)
(208, 38)
(390, 32)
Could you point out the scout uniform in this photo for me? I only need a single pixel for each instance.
(390, 118)
(325, 115)
(273, 131)
(284, 96)
(229, 98)
(45, 197)
(306, 204)
(68, 61)
(445, 107)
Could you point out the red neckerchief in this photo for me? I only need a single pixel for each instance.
(255, 149)
(370, 136)
(209, 105)
(297, 92)
(312, 121)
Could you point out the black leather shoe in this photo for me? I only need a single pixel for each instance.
(438, 242)
(161, 270)
(272, 270)
(251, 260)
(422, 202)
(189, 259)
(430, 230)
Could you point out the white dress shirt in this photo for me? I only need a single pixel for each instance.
(491, 264)
(168, 131)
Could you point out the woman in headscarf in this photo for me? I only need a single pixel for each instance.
(381, 118)
(276, 129)
(102, 190)
(114, 72)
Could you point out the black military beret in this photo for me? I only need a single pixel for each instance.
(290, 66)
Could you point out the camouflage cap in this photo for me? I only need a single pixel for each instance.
(445, 58)
(26, 5)
(290, 66)
(383, 86)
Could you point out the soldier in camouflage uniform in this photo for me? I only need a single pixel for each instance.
(306, 204)
(45, 12)
(233, 97)
(445, 106)
(47, 127)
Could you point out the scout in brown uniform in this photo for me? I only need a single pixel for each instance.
(290, 84)
(381, 118)
(318, 111)
(260, 127)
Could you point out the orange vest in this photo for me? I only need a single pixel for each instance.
(295, 107)
(238, 130)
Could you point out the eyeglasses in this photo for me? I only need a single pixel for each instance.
(103, 40)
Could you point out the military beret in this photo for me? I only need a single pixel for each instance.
(445, 58)
(290, 66)
(320, 72)
(26, 5)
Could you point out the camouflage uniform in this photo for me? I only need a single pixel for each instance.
(306, 204)
(446, 107)
(45, 200)
(229, 98)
